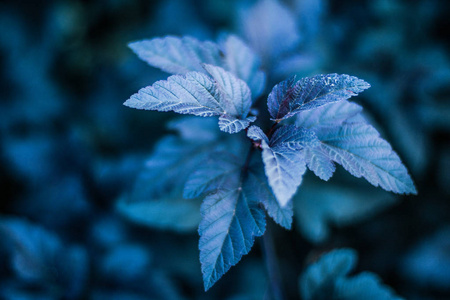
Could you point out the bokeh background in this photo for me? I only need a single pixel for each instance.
(69, 149)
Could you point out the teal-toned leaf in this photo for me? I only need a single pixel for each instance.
(360, 150)
(195, 93)
(271, 30)
(170, 212)
(231, 219)
(234, 94)
(156, 199)
(212, 175)
(257, 179)
(318, 161)
(292, 96)
(333, 114)
(283, 158)
(320, 206)
(177, 55)
(328, 279)
(198, 94)
(233, 125)
(39, 257)
(244, 63)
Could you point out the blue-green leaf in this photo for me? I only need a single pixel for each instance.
(244, 63)
(328, 279)
(198, 94)
(283, 158)
(360, 150)
(292, 96)
(231, 219)
(177, 55)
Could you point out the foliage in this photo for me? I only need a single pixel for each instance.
(104, 202)
(328, 129)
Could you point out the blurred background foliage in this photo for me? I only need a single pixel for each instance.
(69, 150)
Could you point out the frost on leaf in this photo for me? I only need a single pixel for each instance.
(283, 158)
(328, 279)
(347, 139)
(198, 94)
(292, 96)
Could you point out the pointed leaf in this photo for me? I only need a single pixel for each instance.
(284, 162)
(177, 55)
(333, 114)
(260, 188)
(271, 30)
(360, 150)
(292, 96)
(234, 94)
(212, 175)
(194, 93)
(233, 125)
(231, 220)
(244, 63)
(198, 94)
(318, 161)
(328, 279)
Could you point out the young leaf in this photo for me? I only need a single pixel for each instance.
(257, 179)
(177, 55)
(283, 158)
(327, 279)
(231, 219)
(292, 96)
(244, 63)
(198, 94)
(360, 150)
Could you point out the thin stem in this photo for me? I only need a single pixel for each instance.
(271, 130)
(272, 265)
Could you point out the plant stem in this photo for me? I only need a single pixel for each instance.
(272, 266)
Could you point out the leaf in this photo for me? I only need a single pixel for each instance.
(318, 207)
(244, 63)
(40, 257)
(271, 30)
(292, 96)
(231, 215)
(231, 220)
(317, 160)
(257, 179)
(186, 54)
(360, 150)
(283, 159)
(333, 114)
(168, 213)
(158, 190)
(327, 279)
(234, 94)
(212, 175)
(177, 55)
(198, 94)
(232, 125)
(347, 139)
